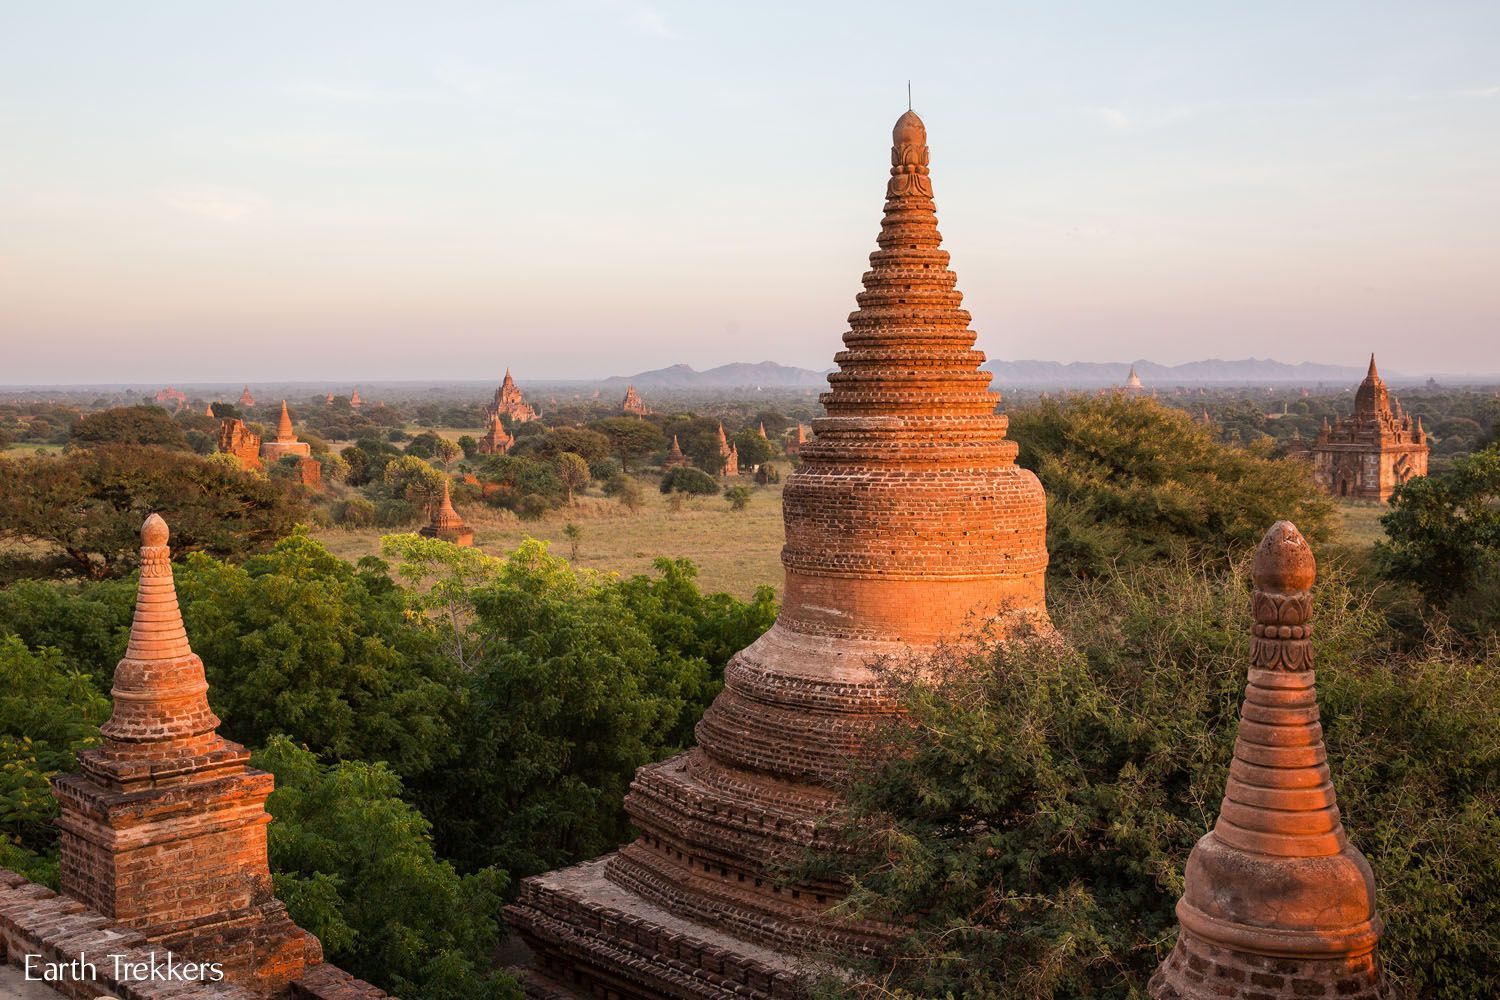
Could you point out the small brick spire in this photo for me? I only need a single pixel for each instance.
(1275, 890)
(446, 523)
(284, 430)
(160, 692)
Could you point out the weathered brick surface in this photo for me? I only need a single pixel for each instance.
(907, 523)
(163, 828)
(238, 440)
(1372, 452)
(1276, 902)
(36, 921)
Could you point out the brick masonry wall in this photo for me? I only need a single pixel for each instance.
(34, 920)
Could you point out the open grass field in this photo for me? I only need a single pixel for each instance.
(735, 551)
(1358, 525)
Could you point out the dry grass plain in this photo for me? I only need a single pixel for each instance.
(735, 551)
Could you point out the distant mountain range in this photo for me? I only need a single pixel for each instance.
(738, 374)
(1249, 371)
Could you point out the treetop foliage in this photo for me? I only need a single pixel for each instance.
(1131, 481)
(90, 504)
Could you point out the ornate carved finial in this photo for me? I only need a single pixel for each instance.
(154, 532)
(1276, 878)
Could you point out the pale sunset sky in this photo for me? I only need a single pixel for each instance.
(578, 188)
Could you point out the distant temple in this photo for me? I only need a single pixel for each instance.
(1371, 453)
(238, 440)
(510, 403)
(354, 400)
(176, 397)
(729, 456)
(634, 404)
(246, 400)
(795, 439)
(1133, 386)
(496, 440)
(446, 524)
(286, 442)
(675, 457)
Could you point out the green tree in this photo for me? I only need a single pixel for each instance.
(442, 579)
(411, 479)
(1030, 817)
(568, 696)
(355, 866)
(1130, 481)
(48, 711)
(138, 425)
(590, 444)
(738, 497)
(685, 479)
(1444, 528)
(574, 534)
(626, 489)
(433, 447)
(751, 447)
(300, 642)
(468, 444)
(90, 504)
(572, 472)
(630, 438)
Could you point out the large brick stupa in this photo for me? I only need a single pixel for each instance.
(907, 522)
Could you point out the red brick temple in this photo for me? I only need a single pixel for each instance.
(1277, 902)
(246, 400)
(446, 522)
(1368, 455)
(286, 442)
(163, 843)
(729, 455)
(675, 458)
(496, 440)
(240, 441)
(633, 404)
(906, 523)
(509, 402)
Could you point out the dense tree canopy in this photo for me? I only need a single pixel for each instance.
(90, 503)
(1130, 481)
(1443, 529)
(355, 866)
(140, 425)
(48, 711)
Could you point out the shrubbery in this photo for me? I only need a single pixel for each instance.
(1033, 813)
(685, 479)
(1130, 481)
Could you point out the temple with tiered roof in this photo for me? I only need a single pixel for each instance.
(907, 523)
(1367, 455)
(510, 403)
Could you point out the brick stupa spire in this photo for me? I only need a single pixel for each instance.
(446, 524)
(1277, 902)
(675, 457)
(164, 825)
(907, 522)
(286, 442)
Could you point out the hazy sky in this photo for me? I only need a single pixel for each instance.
(206, 191)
